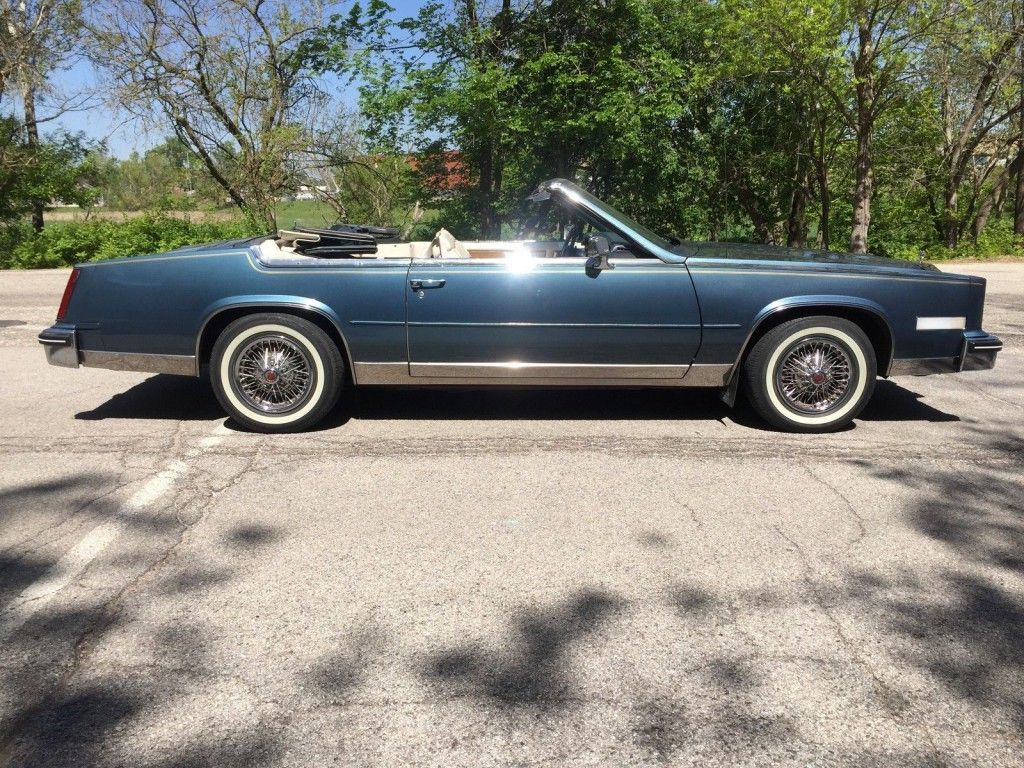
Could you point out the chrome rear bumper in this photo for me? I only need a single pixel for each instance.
(61, 346)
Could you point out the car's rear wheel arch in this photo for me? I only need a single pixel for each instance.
(216, 323)
(875, 327)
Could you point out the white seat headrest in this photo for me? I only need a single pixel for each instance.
(445, 246)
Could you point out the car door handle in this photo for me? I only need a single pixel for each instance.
(422, 285)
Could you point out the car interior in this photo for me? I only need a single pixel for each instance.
(548, 231)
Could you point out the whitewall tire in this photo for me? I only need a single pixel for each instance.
(814, 374)
(276, 372)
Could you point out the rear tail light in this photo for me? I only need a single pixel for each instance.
(68, 290)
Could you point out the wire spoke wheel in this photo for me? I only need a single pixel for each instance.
(814, 376)
(272, 374)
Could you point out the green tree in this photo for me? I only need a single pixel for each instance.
(61, 167)
(36, 38)
(225, 77)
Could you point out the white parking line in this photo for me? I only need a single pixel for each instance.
(75, 561)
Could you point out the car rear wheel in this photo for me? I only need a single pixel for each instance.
(276, 372)
(814, 374)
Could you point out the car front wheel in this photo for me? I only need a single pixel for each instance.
(814, 374)
(276, 372)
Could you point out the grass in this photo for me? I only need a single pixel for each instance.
(310, 213)
(1012, 258)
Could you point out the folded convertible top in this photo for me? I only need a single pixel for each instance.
(380, 234)
(338, 241)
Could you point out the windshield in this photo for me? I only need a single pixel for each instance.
(617, 216)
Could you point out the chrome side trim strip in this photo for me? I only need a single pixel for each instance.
(941, 323)
(397, 374)
(180, 365)
(708, 375)
(651, 326)
(830, 273)
(381, 373)
(513, 369)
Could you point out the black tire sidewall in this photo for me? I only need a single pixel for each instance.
(319, 347)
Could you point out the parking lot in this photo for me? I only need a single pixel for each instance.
(507, 578)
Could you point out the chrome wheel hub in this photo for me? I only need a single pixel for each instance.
(272, 374)
(814, 376)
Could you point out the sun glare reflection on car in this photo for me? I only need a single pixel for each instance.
(520, 260)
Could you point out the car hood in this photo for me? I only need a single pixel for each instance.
(759, 252)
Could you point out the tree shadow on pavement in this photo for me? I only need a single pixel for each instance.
(963, 624)
(959, 624)
(72, 495)
(534, 672)
(59, 708)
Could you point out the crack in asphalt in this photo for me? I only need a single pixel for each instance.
(108, 612)
(696, 447)
(982, 391)
(112, 606)
(33, 539)
(858, 518)
(889, 697)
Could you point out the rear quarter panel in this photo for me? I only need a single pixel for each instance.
(158, 304)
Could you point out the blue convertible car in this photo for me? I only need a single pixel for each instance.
(583, 297)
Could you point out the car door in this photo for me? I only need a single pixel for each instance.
(517, 316)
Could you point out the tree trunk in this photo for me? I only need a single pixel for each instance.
(821, 169)
(762, 227)
(796, 225)
(1018, 203)
(864, 186)
(485, 189)
(32, 142)
(862, 193)
(825, 198)
(991, 201)
(950, 222)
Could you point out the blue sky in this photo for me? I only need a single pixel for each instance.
(124, 136)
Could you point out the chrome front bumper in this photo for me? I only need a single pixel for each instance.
(977, 353)
(61, 346)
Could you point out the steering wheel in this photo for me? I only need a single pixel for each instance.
(574, 234)
(530, 226)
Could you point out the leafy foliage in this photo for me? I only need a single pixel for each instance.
(810, 123)
(60, 168)
(67, 243)
(789, 123)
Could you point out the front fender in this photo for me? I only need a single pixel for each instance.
(823, 302)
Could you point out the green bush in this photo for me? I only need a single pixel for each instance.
(62, 244)
(996, 241)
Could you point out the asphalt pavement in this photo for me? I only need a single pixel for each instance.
(474, 578)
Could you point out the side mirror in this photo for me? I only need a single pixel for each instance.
(598, 250)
